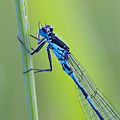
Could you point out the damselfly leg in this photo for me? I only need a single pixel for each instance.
(50, 61)
(35, 51)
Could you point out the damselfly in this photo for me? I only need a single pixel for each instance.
(95, 105)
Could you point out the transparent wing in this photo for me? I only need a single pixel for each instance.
(105, 108)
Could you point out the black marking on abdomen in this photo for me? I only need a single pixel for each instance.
(58, 42)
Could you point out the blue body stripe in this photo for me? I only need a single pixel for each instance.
(86, 96)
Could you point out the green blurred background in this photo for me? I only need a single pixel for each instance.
(92, 30)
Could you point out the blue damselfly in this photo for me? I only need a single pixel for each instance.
(95, 105)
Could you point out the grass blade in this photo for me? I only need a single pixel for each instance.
(29, 82)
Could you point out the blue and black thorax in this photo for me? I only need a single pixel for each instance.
(57, 46)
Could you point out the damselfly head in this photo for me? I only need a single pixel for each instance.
(50, 27)
(44, 31)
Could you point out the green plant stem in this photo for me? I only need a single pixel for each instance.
(29, 82)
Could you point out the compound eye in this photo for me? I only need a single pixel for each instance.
(44, 30)
(51, 29)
